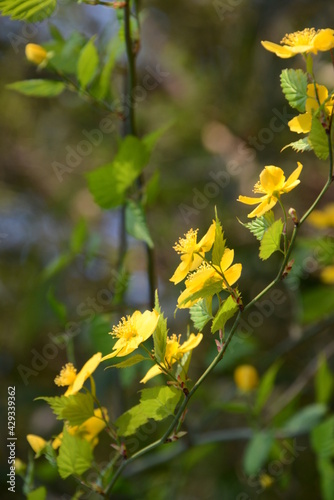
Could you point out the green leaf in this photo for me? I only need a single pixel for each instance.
(87, 63)
(201, 313)
(234, 407)
(58, 307)
(318, 139)
(257, 452)
(152, 138)
(157, 403)
(56, 265)
(266, 386)
(152, 189)
(210, 288)
(32, 11)
(326, 470)
(219, 244)
(324, 381)
(38, 87)
(38, 494)
(300, 146)
(76, 408)
(322, 439)
(134, 360)
(66, 52)
(271, 241)
(160, 334)
(75, 455)
(135, 222)
(114, 49)
(294, 86)
(79, 236)
(305, 419)
(317, 302)
(108, 184)
(226, 311)
(260, 225)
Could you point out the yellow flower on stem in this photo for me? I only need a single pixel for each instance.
(69, 377)
(132, 331)
(174, 353)
(302, 42)
(272, 184)
(316, 97)
(246, 377)
(35, 53)
(323, 218)
(208, 274)
(191, 252)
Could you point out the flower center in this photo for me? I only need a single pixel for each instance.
(67, 375)
(172, 347)
(126, 329)
(186, 244)
(304, 37)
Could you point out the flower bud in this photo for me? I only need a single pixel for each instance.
(294, 216)
(35, 53)
(246, 377)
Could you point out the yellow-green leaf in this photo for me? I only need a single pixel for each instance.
(75, 455)
(38, 87)
(271, 241)
(87, 63)
(32, 11)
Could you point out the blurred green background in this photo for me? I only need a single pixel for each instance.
(220, 90)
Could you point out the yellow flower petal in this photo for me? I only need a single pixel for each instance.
(281, 51)
(248, 200)
(192, 342)
(293, 180)
(208, 239)
(301, 123)
(233, 274)
(324, 40)
(152, 372)
(35, 53)
(327, 275)
(323, 218)
(264, 207)
(246, 377)
(227, 259)
(36, 442)
(85, 372)
(271, 179)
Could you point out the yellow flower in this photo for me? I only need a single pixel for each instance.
(69, 377)
(266, 481)
(323, 218)
(327, 275)
(207, 274)
(35, 53)
(272, 184)
(302, 42)
(36, 442)
(189, 249)
(302, 123)
(246, 377)
(174, 352)
(132, 331)
(88, 430)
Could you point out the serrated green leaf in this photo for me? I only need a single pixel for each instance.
(226, 311)
(260, 225)
(294, 87)
(108, 184)
(76, 408)
(305, 419)
(266, 386)
(134, 360)
(87, 63)
(300, 146)
(322, 439)
(38, 87)
(37, 494)
(157, 403)
(135, 222)
(318, 139)
(219, 244)
(271, 241)
(160, 334)
(324, 381)
(32, 11)
(75, 455)
(257, 452)
(201, 313)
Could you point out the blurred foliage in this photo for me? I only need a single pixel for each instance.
(220, 91)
